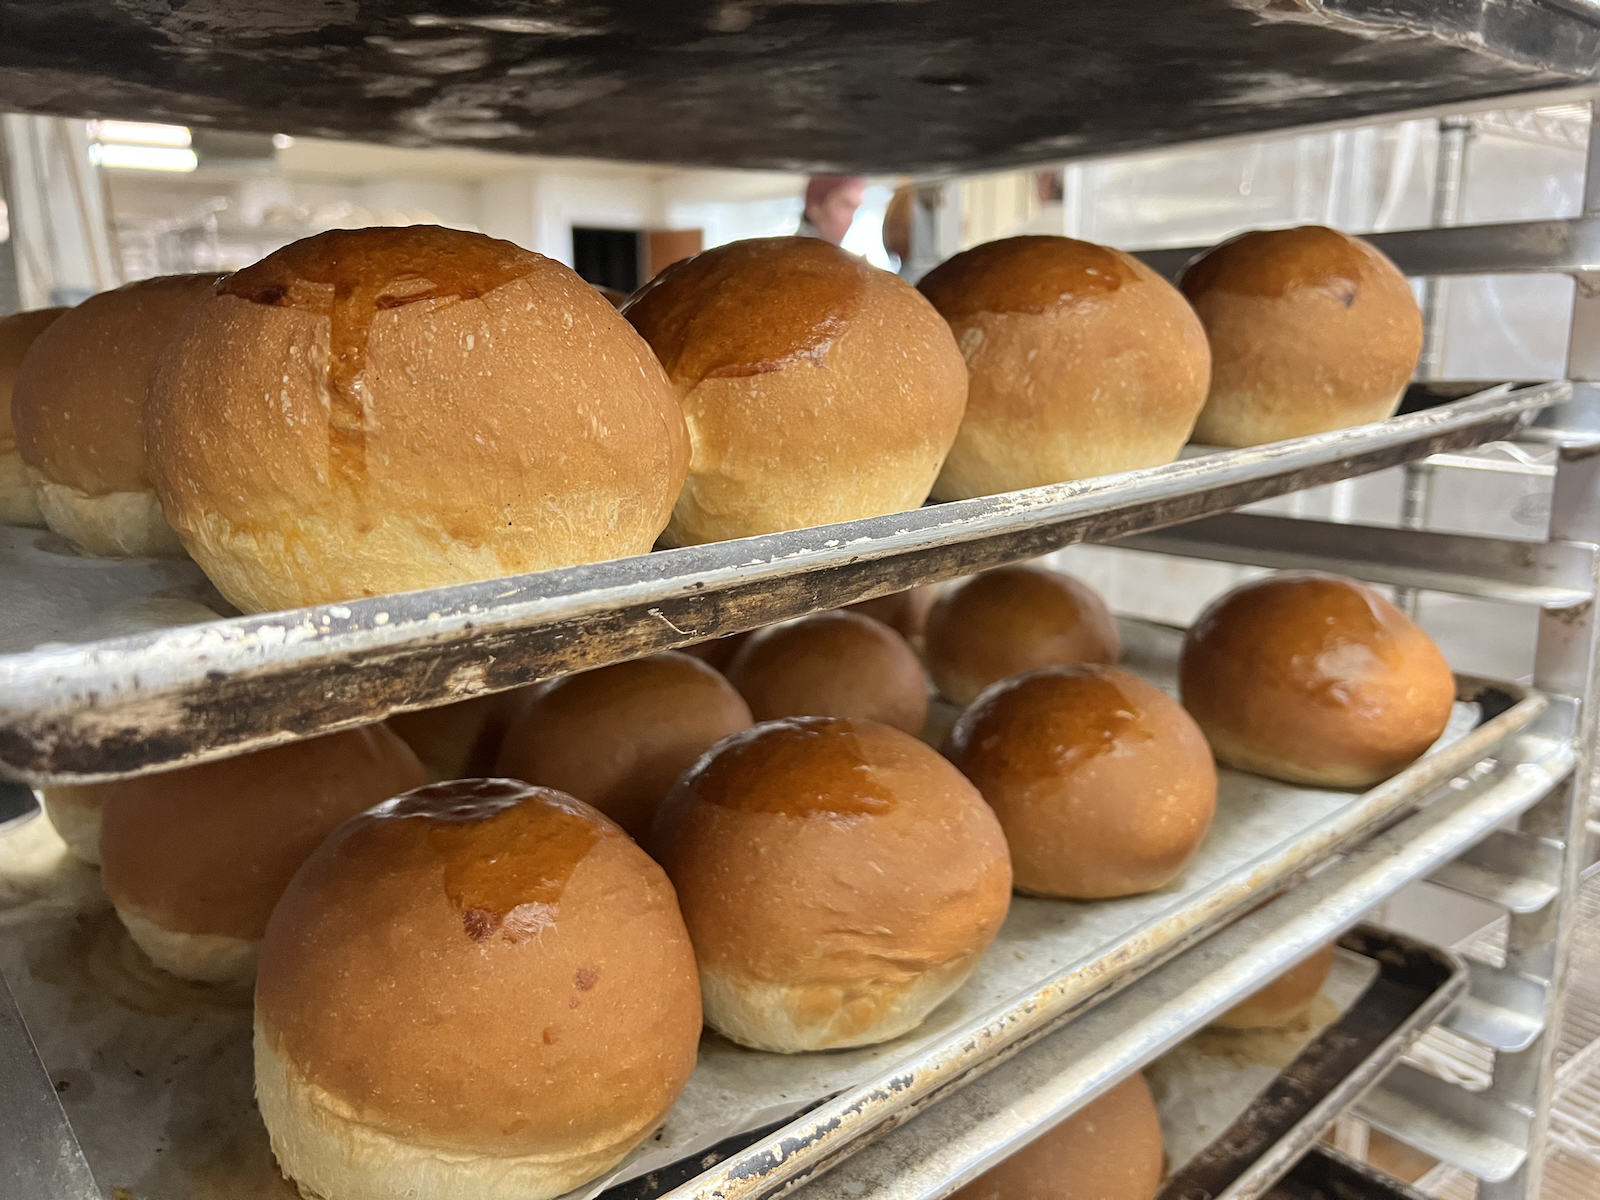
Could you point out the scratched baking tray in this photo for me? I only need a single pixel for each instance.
(117, 690)
(157, 1072)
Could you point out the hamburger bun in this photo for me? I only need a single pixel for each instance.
(17, 333)
(904, 612)
(1103, 784)
(379, 410)
(839, 880)
(619, 737)
(719, 651)
(816, 388)
(460, 740)
(478, 989)
(1012, 619)
(1310, 329)
(195, 859)
(1110, 1149)
(1080, 360)
(74, 813)
(1282, 1000)
(1314, 679)
(833, 664)
(78, 406)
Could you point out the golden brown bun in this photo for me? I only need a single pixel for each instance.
(17, 333)
(1282, 1000)
(1314, 679)
(464, 410)
(1108, 1150)
(719, 652)
(1081, 361)
(203, 853)
(74, 813)
(460, 740)
(904, 612)
(78, 407)
(833, 664)
(479, 989)
(816, 388)
(839, 880)
(1013, 619)
(1310, 330)
(1103, 784)
(619, 737)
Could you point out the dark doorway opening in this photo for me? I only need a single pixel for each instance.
(607, 257)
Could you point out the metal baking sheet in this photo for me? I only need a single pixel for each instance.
(154, 1073)
(80, 710)
(1268, 1124)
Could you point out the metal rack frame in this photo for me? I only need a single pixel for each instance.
(1523, 848)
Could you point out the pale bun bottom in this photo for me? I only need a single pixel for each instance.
(798, 1018)
(116, 525)
(202, 957)
(75, 815)
(1235, 752)
(17, 505)
(329, 1155)
(1241, 419)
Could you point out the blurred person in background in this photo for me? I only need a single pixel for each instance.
(831, 203)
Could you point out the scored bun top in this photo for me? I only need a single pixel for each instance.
(380, 410)
(816, 388)
(1082, 361)
(1012, 619)
(832, 664)
(1314, 679)
(485, 968)
(1310, 329)
(1108, 1150)
(618, 737)
(209, 849)
(79, 396)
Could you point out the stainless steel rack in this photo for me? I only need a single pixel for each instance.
(1513, 832)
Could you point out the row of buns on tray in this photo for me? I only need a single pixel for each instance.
(495, 986)
(380, 410)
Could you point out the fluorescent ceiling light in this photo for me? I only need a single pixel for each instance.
(139, 133)
(144, 158)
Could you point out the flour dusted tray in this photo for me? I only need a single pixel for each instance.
(112, 669)
(155, 1074)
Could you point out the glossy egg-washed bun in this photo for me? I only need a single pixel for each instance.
(618, 737)
(1103, 784)
(1081, 361)
(1314, 679)
(1012, 619)
(460, 740)
(195, 859)
(78, 407)
(1282, 1000)
(1110, 1149)
(833, 664)
(1310, 329)
(478, 989)
(816, 387)
(380, 410)
(839, 880)
(17, 333)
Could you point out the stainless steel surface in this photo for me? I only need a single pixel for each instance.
(1570, 246)
(1503, 1010)
(39, 1156)
(1548, 574)
(70, 961)
(1519, 873)
(135, 704)
(1471, 1130)
(965, 1135)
